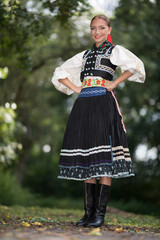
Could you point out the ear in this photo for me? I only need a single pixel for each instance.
(110, 29)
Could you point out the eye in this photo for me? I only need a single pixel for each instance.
(92, 28)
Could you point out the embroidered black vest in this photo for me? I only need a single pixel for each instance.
(96, 62)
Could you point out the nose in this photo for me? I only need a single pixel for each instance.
(97, 30)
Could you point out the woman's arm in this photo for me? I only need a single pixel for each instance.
(67, 76)
(112, 84)
(71, 85)
(126, 60)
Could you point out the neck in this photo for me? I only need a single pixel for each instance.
(98, 44)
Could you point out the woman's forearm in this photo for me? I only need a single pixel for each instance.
(69, 84)
(123, 77)
(112, 84)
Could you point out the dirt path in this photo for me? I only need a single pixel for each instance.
(77, 234)
(68, 231)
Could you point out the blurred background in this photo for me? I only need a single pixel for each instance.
(36, 37)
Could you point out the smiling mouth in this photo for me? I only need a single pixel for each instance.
(97, 37)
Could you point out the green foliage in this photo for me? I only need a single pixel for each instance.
(64, 10)
(41, 177)
(32, 45)
(30, 49)
(137, 24)
(136, 27)
(58, 202)
(21, 25)
(11, 193)
(9, 128)
(3, 73)
(135, 205)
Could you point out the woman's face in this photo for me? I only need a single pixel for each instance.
(99, 31)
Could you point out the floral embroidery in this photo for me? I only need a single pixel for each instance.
(93, 81)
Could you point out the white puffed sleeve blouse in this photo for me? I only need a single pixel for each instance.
(126, 60)
(120, 56)
(70, 69)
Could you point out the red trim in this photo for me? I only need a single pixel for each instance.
(109, 39)
(119, 111)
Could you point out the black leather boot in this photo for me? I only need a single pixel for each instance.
(103, 195)
(89, 203)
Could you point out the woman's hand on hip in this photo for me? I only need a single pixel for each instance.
(78, 89)
(110, 85)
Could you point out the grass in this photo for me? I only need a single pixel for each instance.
(18, 217)
(133, 205)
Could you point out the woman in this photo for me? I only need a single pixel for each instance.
(95, 145)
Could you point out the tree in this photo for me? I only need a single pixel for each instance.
(29, 51)
(137, 28)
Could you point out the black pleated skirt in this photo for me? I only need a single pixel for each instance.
(94, 142)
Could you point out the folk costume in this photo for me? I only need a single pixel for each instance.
(94, 142)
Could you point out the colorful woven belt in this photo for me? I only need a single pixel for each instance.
(93, 81)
